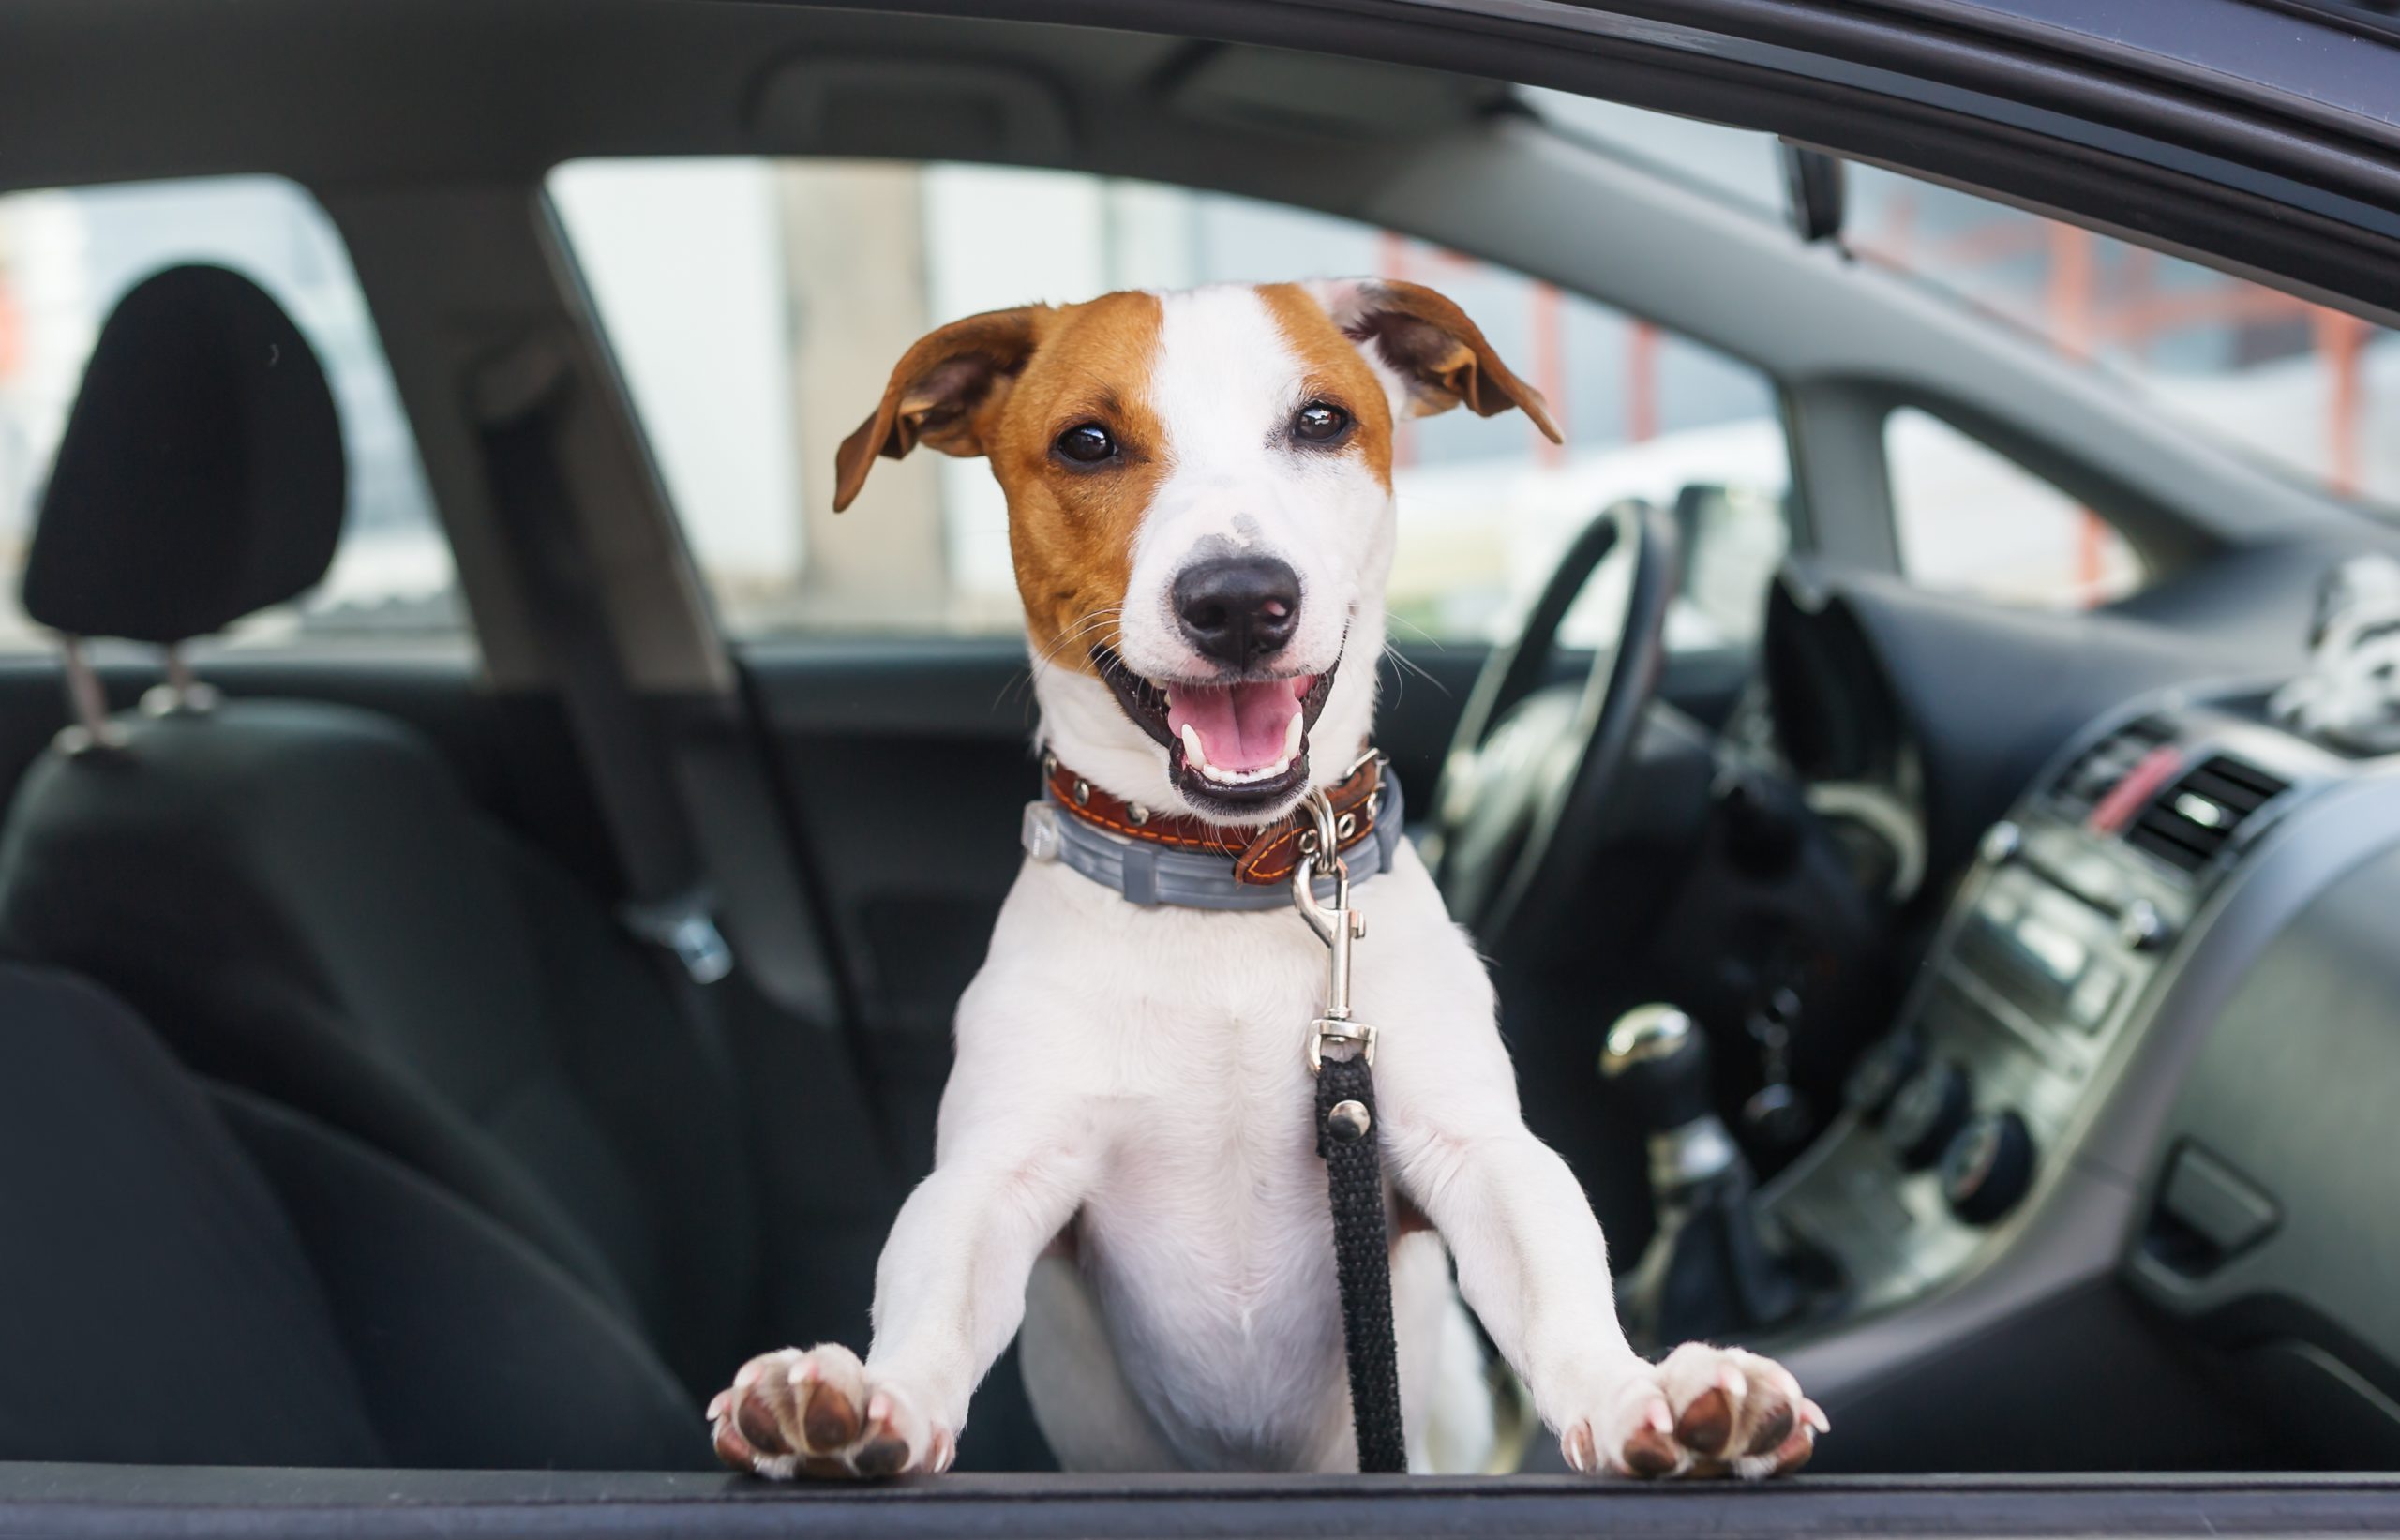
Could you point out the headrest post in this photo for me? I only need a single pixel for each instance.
(92, 728)
(183, 695)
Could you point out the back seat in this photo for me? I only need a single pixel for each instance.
(300, 897)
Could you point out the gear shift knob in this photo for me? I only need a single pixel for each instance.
(1659, 1058)
(1708, 1268)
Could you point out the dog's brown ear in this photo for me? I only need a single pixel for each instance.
(941, 389)
(1440, 356)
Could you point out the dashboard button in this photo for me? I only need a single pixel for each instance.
(1880, 1074)
(2094, 997)
(1929, 1109)
(2142, 928)
(1988, 1167)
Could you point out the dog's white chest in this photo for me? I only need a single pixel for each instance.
(1206, 1238)
(1208, 1244)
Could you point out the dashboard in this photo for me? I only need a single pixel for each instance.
(2075, 904)
(2154, 1047)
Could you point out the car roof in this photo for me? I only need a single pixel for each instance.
(2131, 117)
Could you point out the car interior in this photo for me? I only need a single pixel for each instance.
(458, 1046)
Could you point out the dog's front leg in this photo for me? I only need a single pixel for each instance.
(948, 1295)
(1532, 1264)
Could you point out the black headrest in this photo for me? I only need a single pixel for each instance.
(200, 476)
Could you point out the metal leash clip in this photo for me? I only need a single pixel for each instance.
(1338, 926)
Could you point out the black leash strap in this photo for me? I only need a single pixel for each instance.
(1347, 1137)
(1348, 1140)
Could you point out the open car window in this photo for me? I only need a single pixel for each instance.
(755, 306)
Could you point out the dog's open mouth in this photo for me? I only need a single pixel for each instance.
(1232, 748)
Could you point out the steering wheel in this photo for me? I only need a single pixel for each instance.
(1529, 772)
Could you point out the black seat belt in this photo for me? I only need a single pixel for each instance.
(520, 402)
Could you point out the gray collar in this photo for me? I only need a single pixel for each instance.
(1151, 875)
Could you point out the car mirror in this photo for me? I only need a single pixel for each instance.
(1815, 192)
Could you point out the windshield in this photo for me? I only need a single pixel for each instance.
(2284, 382)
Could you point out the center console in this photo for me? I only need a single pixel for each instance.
(2035, 996)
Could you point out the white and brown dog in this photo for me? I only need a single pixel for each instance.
(1200, 510)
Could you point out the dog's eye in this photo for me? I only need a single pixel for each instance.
(1319, 422)
(1085, 443)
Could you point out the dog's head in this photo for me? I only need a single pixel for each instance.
(1200, 512)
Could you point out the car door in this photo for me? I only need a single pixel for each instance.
(2219, 159)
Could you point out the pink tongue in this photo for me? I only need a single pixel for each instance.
(1242, 726)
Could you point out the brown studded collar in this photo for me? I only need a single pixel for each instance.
(1263, 854)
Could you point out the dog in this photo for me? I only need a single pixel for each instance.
(1201, 522)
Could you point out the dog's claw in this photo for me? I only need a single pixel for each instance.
(732, 1449)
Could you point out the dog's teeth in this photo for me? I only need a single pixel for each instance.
(1243, 777)
(1195, 754)
(1292, 736)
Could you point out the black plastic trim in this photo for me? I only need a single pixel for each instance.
(137, 1502)
(2274, 187)
(2343, 13)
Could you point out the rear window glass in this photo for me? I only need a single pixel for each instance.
(67, 254)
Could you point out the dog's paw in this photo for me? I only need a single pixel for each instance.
(1701, 1412)
(820, 1414)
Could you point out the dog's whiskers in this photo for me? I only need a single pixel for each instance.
(1093, 621)
(1403, 661)
(1083, 626)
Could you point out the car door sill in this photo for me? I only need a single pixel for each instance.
(141, 1501)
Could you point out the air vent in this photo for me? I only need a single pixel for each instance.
(2097, 770)
(2195, 818)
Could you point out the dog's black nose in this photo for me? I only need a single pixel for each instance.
(1239, 609)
